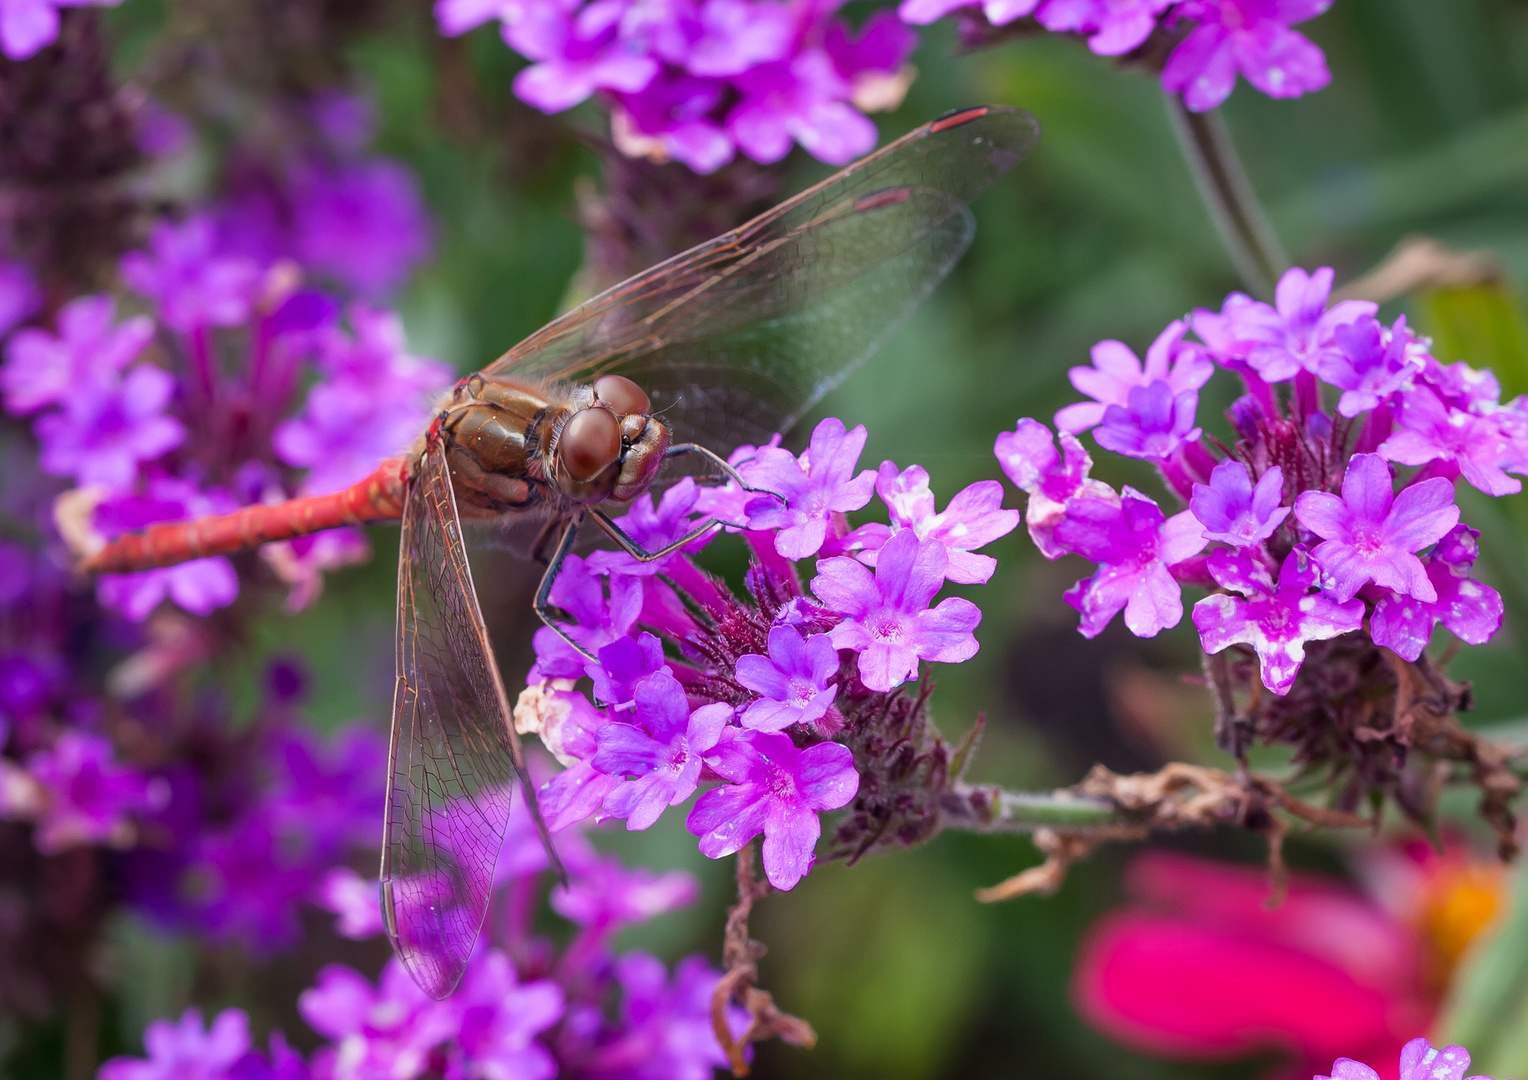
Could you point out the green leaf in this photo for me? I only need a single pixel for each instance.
(1482, 324)
(1487, 1009)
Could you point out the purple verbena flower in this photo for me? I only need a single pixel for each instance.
(775, 789)
(795, 681)
(1472, 611)
(566, 723)
(1370, 363)
(199, 586)
(355, 902)
(1249, 37)
(1427, 430)
(194, 284)
(1134, 546)
(85, 358)
(101, 437)
(1028, 455)
(575, 53)
(1181, 365)
(975, 517)
(886, 617)
(820, 483)
(500, 1019)
(26, 26)
(605, 896)
(667, 1032)
(186, 1050)
(362, 223)
(1420, 1060)
(1235, 512)
(1299, 334)
(1115, 26)
(1153, 424)
(20, 298)
(660, 751)
(1370, 533)
(388, 1030)
(623, 664)
(997, 12)
(673, 117)
(1275, 619)
(87, 798)
(800, 99)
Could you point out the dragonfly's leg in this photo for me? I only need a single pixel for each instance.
(680, 449)
(539, 545)
(637, 551)
(544, 592)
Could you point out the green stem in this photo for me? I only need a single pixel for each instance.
(976, 808)
(1229, 196)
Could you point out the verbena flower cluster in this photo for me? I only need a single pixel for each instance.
(699, 81)
(1326, 528)
(794, 701)
(1211, 41)
(528, 1008)
(28, 25)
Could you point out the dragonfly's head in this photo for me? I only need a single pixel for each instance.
(611, 446)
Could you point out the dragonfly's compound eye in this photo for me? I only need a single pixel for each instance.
(590, 443)
(621, 394)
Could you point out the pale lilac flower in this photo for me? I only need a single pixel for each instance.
(802, 99)
(1181, 365)
(667, 1033)
(795, 681)
(718, 38)
(997, 12)
(1116, 26)
(385, 1031)
(887, 619)
(500, 1019)
(660, 751)
(458, 16)
(20, 297)
(814, 487)
(1153, 424)
(362, 223)
(1370, 363)
(673, 117)
(575, 54)
(1428, 430)
(1472, 611)
(86, 357)
(186, 1050)
(1276, 620)
(1461, 386)
(1250, 37)
(1134, 546)
(1299, 334)
(1235, 512)
(605, 896)
(567, 729)
(623, 664)
(192, 282)
(88, 797)
(101, 437)
(354, 899)
(1420, 1060)
(873, 60)
(1028, 455)
(975, 517)
(775, 789)
(1369, 534)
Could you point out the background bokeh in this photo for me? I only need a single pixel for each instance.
(1100, 233)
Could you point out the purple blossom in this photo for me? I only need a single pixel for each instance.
(186, 1050)
(667, 1031)
(1370, 364)
(575, 54)
(714, 38)
(655, 528)
(1028, 455)
(1428, 430)
(1420, 1060)
(1369, 534)
(887, 619)
(623, 664)
(458, 16)
(26, 26)
(795, 681)
(1249, 37)
(500, 1019)
(997, 12)
(86, 797)
(1472, 611)
(20, 298)
(566, 723)
(660, 751)
(605, 896)
(101, 437)
(194, 284)
(1235, 512)
(1116, 26)
(1299, 334)
(775, 789)
(873, 62)
(1182, 366)
(1276, 620)
(386, 1031)
(974, 518)
(88, 354)
(1153, 424)
(598, 618)
(820, 483)
(354, 899)
(362, 223)
(673, 117)
(199, 586)
(801, 99)
(1134, 546)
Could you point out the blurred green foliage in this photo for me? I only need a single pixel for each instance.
(1099, 234)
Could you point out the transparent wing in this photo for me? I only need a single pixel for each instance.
(737, 338)
(454, 756)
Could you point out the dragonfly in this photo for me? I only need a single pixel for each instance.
(722, 345)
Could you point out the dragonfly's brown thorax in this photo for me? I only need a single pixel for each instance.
(513, 445)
